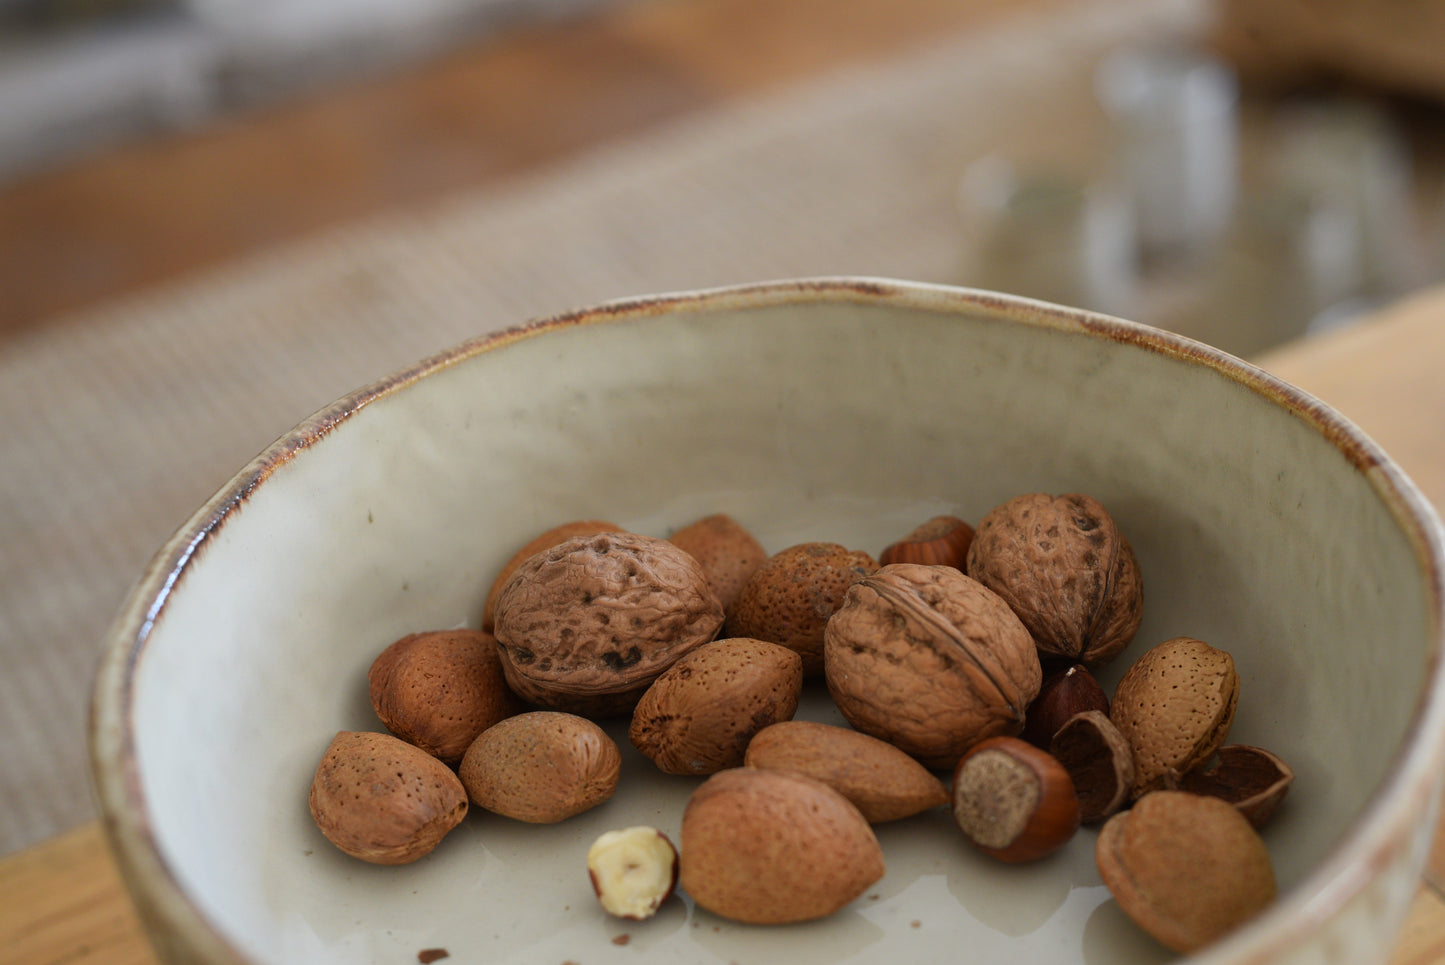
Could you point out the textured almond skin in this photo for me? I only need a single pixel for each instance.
(383, 800)
(440, 689)
(540, 542)
(791, 596)
(771, 847)
(930, 661)
(588, 624)
(541, 767)
(1066, 570)
(881, 781)
(1175, 706)
(698, 717)
(1186, 868)
(727, 552)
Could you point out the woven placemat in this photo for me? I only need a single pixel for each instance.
(121, 421)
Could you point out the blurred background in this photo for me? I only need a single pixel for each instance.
(217, 216)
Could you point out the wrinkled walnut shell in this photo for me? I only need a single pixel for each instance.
(1175, 706)
(588, 624)
(553, 536)
(699, 715)
(1251, 778)
(1099, 761)
(1186, 868)
(929, 660)
(1066, 570)
(791, 596)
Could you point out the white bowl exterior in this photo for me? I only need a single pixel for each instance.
(826, 410)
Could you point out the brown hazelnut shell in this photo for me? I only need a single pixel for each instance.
(1253, 779)
(941, 541)
(1013, 801)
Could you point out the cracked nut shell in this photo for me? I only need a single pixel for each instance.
(930, 661)
(586, 626)
(1186, 868)
(772, 847)
(791, 596)
(439, 689)
(1099, 761)
(1175, 706)
(1253, 779)
(883, 783)
(699, 715)
(382, 800)
(1066, 570)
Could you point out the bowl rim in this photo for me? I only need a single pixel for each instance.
(1410, 791)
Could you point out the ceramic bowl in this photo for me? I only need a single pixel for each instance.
(830, 409)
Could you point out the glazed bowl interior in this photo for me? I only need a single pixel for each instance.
(838, 410)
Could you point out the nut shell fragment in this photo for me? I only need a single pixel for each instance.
(1099, 761)
(772, 847)
(1186, 868)
(383, 800)
(1065, 568)
(1251, 778)
(1175, 706)
(930, 661)
(588, 624)
(883, 783)
(699, 715)
(791, 597)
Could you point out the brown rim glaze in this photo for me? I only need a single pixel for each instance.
(1407, 794)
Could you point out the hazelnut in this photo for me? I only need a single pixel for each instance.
(772, 847)
(1175, 706)
(1063, 694)
(1186, 868)
(1014, 801)
(727, 552)
(1251, 778)
(1099, 761)
(1066, 570)
(541, 767)
(588, 624)
(942, 541)
(633, 871)
(930, 661)
(881, 781)
(440, 689)
(383, 800)
(547, 540)
(699, 715)
(791, 596)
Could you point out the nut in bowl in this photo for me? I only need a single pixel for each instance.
(846, 411)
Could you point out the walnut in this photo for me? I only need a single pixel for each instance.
(929, 660)
(1065, 568)
(586, 625)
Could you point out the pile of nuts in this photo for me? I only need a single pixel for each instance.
(963, 660)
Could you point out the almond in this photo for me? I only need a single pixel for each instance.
(771, 847)
(541, 767)
(881, 781)
(383, 800)
(727, 552)
(698, 717)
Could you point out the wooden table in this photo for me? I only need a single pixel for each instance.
(62, 901)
